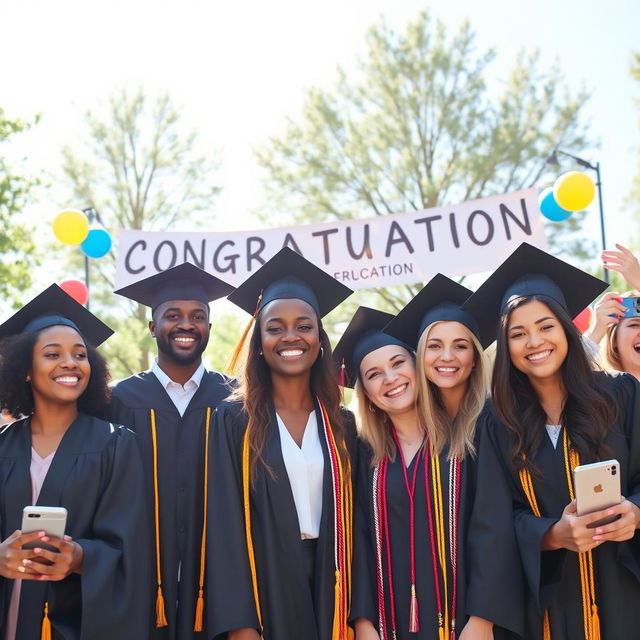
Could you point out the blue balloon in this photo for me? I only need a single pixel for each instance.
(549, 207)
(97, 244)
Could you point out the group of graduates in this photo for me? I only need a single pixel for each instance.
(201, 506)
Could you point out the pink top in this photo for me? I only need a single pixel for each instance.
(38, 470)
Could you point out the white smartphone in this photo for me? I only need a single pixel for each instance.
(51, 520)
(597, 487)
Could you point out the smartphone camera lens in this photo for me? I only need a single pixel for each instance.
(34, 515)
(614, 470)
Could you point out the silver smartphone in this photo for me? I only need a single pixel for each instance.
(597, 487)
(51, 520)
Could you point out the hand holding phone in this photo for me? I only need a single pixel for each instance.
(597, 487)
(51, 520)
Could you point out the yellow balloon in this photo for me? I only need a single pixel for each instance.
(574, 191)
(71, 226)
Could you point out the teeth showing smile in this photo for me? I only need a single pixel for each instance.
(184, 339)
(291, 353)
(637, 347)
(397, 391)
(67, 379)
(541, 355)
(446, 369)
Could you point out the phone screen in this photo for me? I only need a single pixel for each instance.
(633, 307)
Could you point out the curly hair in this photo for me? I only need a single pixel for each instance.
(16, 397)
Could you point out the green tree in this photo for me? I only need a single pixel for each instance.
(17, 248)
(139, 170)
(419, 124)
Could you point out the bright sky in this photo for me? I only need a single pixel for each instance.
(240, 68)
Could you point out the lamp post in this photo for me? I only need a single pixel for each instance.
(553, 159)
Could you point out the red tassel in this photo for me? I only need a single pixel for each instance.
(414, 619)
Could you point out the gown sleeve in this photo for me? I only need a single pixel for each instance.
(627, 391)
(231, 601)
(495, 589)
(117, 561)
(364, 599)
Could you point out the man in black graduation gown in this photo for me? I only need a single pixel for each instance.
(169, 407)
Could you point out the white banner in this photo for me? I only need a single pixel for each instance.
(403, 248)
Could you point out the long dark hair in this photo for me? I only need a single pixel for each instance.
(588, 413)
(255, 390)
(16, 397)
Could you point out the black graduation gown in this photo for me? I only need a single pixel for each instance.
(180, 482)
(95, 474)
(553, 577)
(291, 610)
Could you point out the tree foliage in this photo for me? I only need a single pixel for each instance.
(17, 248)
(421, 123)
(139, 170)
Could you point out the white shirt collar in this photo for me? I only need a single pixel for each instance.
(193, 382)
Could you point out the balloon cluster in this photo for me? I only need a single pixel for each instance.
(572, 191)
(72, 227)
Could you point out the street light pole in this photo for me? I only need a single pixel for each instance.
(553, 159)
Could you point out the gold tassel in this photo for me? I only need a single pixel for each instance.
(414, 620)
(199, 612)
(161, 618)
(336, 609)
(595, 622)
(46, 624)
(546, 626)
(232, 363)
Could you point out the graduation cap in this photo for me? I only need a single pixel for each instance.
(289, 275)
(183, 282)
(362, 336)
(530, 271)
(438, 301)
(54, 307)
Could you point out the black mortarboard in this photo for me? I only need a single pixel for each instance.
(289, 275)
(362, 336)
(438, 301)
(55, 307)
(184, 282)
(530, 271)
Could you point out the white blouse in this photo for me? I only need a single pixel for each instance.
(554, 433)
(305, 468)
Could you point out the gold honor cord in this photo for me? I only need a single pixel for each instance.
(436, 483)
(161, 618)
(197, 625)
(591, 619)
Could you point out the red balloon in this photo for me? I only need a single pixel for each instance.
(76, 289)
(583, 320)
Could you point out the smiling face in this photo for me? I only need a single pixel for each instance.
(388, 377)
(537, 342)
(60, 369)
(627, 343)
(290, 336)
(181, 329)
(449, 355)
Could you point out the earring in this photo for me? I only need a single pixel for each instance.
(321, 352)
(260, 353)
(28, 379)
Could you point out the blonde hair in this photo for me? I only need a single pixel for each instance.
(611, 353)
(374, 425)
(457, 434)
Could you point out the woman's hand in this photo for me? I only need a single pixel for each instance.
(61, 563)
(477, 629)
(365, 630)
(607, 311)
(13, 556)
(625, 263)
(571, 532)
(624, 528)
(244, 634)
